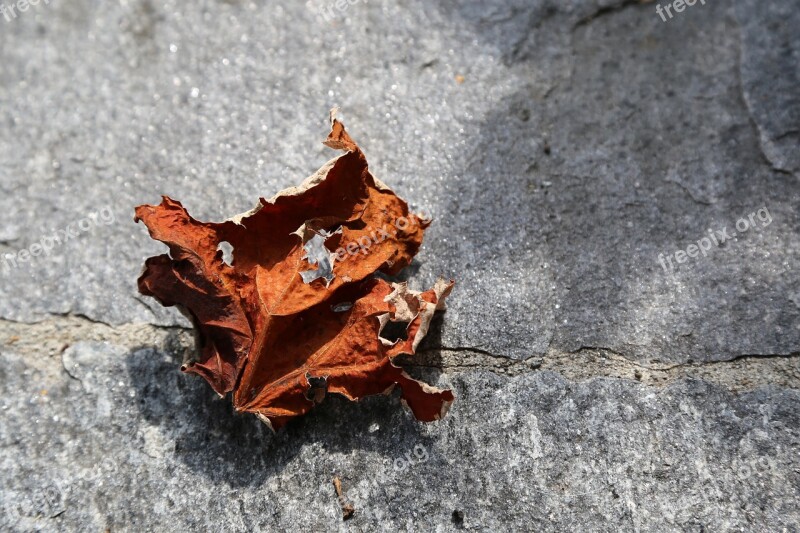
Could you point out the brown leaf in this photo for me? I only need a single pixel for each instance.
(298, 312)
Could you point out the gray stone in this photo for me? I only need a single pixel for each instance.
(650, 146)
(122, 440)
(564, 148)
(649, 142)
(770, 71)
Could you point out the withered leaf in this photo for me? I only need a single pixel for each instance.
(298, 312)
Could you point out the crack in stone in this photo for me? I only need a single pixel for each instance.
(450, 358)
(688, 364)
(739, 372)
(788, 133)
(607, 10)
(81, 316)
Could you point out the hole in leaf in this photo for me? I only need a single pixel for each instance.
(395, 331)
(342, 307)
(317, 254)
(317, 388)
(227, 252)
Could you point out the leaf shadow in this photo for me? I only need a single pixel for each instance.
(426, 365)
(211, 439)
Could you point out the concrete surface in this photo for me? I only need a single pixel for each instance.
(566, 149)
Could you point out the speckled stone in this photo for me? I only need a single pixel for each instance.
(121, 440)
(564, 148)
(561, 147)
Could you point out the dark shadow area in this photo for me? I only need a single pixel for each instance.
(625, 146)
(426, 365)
(210, 438)
(408, 273)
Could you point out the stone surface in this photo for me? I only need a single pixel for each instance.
(584, 141)
(770, 76)
(564, 148)
(119, 439)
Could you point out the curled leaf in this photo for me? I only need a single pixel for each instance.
(298, 311)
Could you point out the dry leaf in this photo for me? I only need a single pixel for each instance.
(298, 312)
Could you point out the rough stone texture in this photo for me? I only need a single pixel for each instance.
(649, 136)
(770, 77)
(561, 147)
(118, 439)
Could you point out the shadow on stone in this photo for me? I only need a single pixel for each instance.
(239, 450)
(589, 190)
